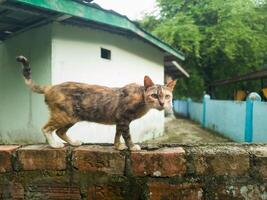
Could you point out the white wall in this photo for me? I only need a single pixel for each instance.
(76, 57)
(23, 113)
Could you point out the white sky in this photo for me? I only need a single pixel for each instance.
(134, 9)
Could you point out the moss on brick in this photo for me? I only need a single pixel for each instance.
(204, 179)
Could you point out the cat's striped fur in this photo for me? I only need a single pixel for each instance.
(71, 102)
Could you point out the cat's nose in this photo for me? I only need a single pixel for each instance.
(161, 103)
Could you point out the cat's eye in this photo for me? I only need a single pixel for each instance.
(154, 96)
(167, 96)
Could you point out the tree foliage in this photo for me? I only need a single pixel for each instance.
(220, 38)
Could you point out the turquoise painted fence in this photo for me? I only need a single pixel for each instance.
(195, 111)
(259, 122)
(227, 118)
(241, 121)
(187, 108)
(181, 107)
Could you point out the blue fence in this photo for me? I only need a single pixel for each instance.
(259, 122)
(195, 111)
(181, 107)
(227, 118)
(241, 121)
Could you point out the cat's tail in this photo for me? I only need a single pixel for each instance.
(27, 74)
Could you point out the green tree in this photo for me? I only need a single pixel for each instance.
(220, 38)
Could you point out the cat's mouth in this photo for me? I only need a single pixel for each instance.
(160, 108)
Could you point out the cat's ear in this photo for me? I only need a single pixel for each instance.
(171, 84)
(148, 82)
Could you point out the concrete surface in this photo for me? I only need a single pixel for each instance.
(181, 130)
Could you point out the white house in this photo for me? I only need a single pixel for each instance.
(71, 41)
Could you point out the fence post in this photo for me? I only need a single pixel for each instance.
(249, 121)
(206, 97)
(249, 115)
(189, 100)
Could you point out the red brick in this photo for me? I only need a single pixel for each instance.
(233, 165)
(183, 191)
(11, 190)
(263, 170)
(245, 191)
(159, 163)
(98, 159)
(221, 160)
(6, 152)
(42, 157)
(104, 192)
(200, 164)
(53, 188)
(260, 154)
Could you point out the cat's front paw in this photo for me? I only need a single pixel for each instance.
(120, 146)
(135, 147)
(75, 143)
(56, 145)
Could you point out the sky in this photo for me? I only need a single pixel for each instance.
(134, 9)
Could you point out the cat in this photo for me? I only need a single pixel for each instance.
(71, 102)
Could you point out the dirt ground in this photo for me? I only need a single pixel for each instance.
(181, 130)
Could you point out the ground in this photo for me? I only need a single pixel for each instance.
(179, 130)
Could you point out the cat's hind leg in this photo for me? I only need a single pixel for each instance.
(117, 142)
(61, 132)
(47, 131)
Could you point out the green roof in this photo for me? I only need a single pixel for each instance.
(91, 12)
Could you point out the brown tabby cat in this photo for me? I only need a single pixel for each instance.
(72, 102)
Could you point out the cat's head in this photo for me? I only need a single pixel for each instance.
(158, 96)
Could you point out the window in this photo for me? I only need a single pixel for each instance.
(105, 53)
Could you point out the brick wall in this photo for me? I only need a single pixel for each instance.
(166, 172)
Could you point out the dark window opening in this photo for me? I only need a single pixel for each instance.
(105, 53)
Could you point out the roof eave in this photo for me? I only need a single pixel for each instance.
(101, 16)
